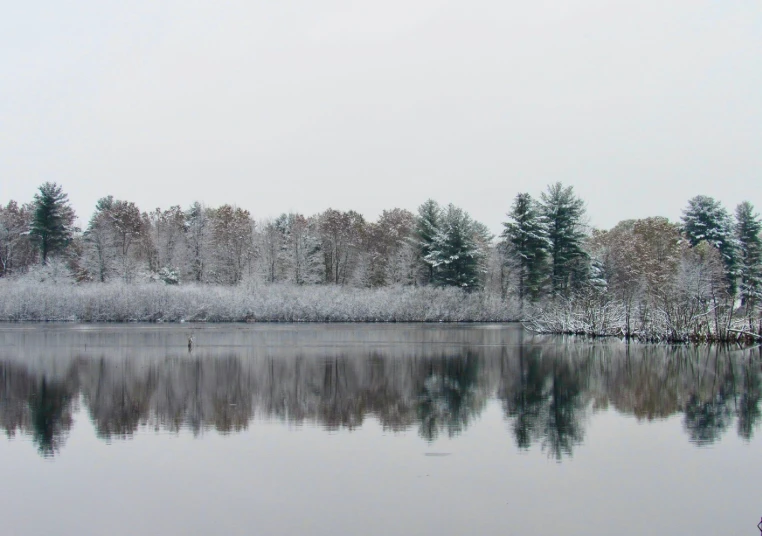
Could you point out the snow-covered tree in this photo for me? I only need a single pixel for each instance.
(341, 234)
(639, 261)
(747, 231)
(52, 224)
(526, 238)
(119, 240)
(232, 232)
(197, 237)
(426, 229)
(389, 250)
(484, 246)
(705, 219)
(703, 288)
(16, 249)
(98, 239)
(564, 213)
(272, 248)
(168, 233)
(456, 253)
(129, 228)
(659, 247)
(303, 258)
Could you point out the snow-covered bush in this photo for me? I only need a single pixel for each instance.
(54, 272)
(26, 300)
(170, 276)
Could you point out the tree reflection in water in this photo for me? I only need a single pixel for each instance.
(547, 386)
(546, 403)
(448, 396)
(50, 409)
(748, 403)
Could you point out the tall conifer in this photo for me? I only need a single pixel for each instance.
(426, 229)
(748, 228)
(564, 212)
(705, 219)
(455, 253)
(53, 220)
(526, 233)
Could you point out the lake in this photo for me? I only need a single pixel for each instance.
(373, 429)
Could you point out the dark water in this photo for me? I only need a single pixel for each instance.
(373, 429)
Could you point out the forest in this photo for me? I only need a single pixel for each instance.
(696, 279)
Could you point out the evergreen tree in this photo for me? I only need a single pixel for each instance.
(197, 235)
(705, 219)
(455, 254)
(485, 249)
(526, 234)
(98, 237)
(564, 212)
(426, 229)
(748, 227)
(53, 220)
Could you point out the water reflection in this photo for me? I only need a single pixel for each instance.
(545, 400)
(435, 379)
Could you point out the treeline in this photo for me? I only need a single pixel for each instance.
(441, 246)
(697, 279)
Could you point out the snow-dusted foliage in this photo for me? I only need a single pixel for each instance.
(706, 220)
(197, 242)
(232, 244)
(426, 229)
(526, 237)
(692, 301)
(35, 299)
(52, 224)
(302, 256)
(748, 228)
(390, 258)
(55, 272)
(456, 251)
(118, 241)
(16, 249)
(648, 279)
(342, 235)
(564, 213)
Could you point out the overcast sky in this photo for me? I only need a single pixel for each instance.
(303, 105)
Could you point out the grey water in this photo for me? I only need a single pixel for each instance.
(373, 429)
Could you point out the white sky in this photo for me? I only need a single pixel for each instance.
(301, 105)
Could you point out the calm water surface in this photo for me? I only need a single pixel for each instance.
(372, 429)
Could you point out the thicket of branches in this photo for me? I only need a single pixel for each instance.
(652, 279)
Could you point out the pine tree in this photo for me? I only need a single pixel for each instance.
(98, 237)
(748, 227)
(197, 233)
(705, 219)
(526, 234)
(455, 254)
(53, 220)
(426, 229)
(564, 211)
